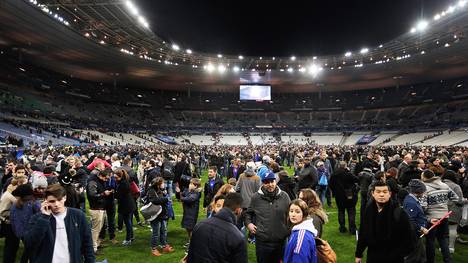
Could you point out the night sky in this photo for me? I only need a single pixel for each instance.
(284, 28)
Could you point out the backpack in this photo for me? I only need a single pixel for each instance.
(325, 253)
(323, 179)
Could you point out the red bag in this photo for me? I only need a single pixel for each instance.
(134, 189)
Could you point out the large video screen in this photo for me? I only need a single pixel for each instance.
(255, 92)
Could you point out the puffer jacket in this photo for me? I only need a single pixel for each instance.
(269, 216)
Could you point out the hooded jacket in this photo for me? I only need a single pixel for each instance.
(269, 215)
(247, 185)
(301, 244)
(435, 201)
(218, 240)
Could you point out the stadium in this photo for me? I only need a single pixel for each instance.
(108, 78)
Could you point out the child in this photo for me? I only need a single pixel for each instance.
(157, 195)
(191, 201)
(301, 244)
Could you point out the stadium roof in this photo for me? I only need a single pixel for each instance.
(102, 40)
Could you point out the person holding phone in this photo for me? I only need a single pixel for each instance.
(58, 233)
(97, 193)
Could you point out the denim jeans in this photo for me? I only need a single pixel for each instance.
(169, 188)
(321, 192)
(441, 232)
(159, 233)
(127, 219)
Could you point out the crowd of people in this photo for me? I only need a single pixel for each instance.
(248, 197)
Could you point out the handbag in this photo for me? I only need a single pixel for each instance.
(150, 211)
(134, 189)
(325, 253)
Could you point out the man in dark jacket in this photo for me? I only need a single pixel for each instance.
(217, 239)
(211, 187)
(343, 186)
(58, 233)
(269, 208)
(96, 192)
(308, 176)
(386, 230)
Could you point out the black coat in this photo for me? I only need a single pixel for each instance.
(287, 185)
(124, 198)
(210, 193)
(308, 177)
(95, 192)
(343, 183)
(191, 203)
(217, 239)
(388, 235)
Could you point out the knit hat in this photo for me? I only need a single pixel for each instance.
(23, 191)
(269, 176)
(250, 169)
(416, 186)
(39, 181)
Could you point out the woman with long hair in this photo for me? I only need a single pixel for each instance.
(126, 203)
(301, 242)
(316, 212)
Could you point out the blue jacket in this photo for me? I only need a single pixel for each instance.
(39, 237)
(19, 217)
(415, 212)
(301, 244)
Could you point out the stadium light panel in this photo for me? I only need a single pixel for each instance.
(314, 70)
(188, 51)
(241, 57)
(290, 70)
(221, 68)
(131, 7)
(293, 58)
(175, 47)
(236, 69)
(210, 68)
(220, 56)
(422, 25)
(348, 54)
(364, 50)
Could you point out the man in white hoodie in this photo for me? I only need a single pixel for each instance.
(435, 205)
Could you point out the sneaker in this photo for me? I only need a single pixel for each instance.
(187, 245)
(251, 240)
(98, 252)
(120, 230)
(155, 252)
(126, 242)
(140, 224)
(461, 241)
(452, 250)
(343, 229)
(167, 249)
